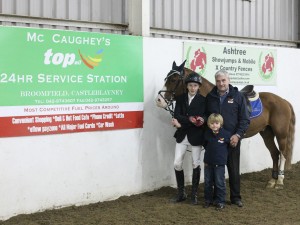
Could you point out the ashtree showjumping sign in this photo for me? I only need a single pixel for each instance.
(54, 81)
(246, 65)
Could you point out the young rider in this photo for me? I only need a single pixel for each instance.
(189, 117)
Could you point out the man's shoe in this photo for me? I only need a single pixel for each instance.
(238, 203)
(220, 206)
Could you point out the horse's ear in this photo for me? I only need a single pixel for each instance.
(182, 65)
(174, 65)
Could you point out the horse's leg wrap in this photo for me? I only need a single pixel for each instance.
(274, 174)
(279, 183)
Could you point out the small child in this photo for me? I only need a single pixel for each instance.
(216, 141)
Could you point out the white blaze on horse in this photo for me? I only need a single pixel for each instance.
(277, 120)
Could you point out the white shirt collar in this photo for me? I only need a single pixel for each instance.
(191, 98)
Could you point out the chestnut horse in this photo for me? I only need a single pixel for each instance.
(277, 120)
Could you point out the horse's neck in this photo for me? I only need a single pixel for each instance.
(206, 87)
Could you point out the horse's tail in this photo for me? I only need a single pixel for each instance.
(290, 139)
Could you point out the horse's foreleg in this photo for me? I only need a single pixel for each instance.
(268, 137)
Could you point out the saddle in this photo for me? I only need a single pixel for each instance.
(249, 93)
(254, 103)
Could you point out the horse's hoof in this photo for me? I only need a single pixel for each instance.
(279, 186)
(271, 184)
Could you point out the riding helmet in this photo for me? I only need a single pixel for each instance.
(193, 77)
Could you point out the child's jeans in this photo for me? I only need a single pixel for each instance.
(214, 184)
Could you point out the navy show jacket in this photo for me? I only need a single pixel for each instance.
(182, 113)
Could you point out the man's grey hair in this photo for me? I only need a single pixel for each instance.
(222, 73)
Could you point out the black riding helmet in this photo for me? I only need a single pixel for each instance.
(193, 77)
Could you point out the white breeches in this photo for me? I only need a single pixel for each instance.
(180, 151)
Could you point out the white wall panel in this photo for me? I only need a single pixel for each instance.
(35, 8)
(268, 19)
(202, 16)
(254, 19)
(177, 14)
(8, 7)
(217, 16)
(106, 11)
(272, 15)
(265, 9)
(240, 18)
(210, 12)
(232, 18)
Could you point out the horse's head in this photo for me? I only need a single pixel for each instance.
(175, 86)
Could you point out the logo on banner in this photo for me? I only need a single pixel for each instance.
(60, 59)
(266, 65)
(197, 60)
(90, 61)
(67, 59)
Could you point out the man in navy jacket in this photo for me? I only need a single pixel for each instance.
(231, 104)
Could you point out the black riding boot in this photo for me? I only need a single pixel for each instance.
(195, 185)
(181, 195)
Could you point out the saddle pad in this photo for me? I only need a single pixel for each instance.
(257, 108)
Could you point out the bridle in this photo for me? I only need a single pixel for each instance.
(170, 105)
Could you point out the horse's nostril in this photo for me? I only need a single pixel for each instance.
(158, 100)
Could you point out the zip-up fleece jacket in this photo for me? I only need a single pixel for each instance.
(216, 147)
(234, 110)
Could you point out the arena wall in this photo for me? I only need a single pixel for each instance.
(54, 171)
